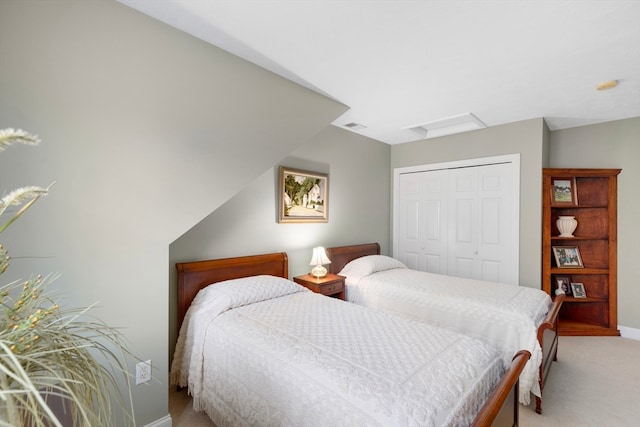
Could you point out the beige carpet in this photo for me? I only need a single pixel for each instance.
(594, 383)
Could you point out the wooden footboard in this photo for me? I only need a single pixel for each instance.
(502, 407)
(547, 331)
(548, 339)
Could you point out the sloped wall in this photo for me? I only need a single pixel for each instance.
(359, 209)
(146, 131)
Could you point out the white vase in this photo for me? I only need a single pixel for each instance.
(566, 225)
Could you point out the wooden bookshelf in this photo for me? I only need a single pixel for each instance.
(593, 203)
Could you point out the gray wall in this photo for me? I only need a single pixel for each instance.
(612, 145)
(146, 131)
(527, 138)
(246, 224)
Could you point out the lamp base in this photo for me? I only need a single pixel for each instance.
(319, 271)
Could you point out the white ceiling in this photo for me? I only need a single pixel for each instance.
(401, 63)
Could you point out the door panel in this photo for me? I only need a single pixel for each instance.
(490, 271)
(435, 222)
(495, 245)
(490, 215)
(412, 210)
(409, 220)
(411, 260)
(463, 232)
(464, 267)
(422, 221)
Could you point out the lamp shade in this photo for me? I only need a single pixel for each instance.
(318, 258)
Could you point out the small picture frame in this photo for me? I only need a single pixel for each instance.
(564, 283)
(567, 257)
(578, 290)
(563, 192)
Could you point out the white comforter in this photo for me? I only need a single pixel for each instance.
(289, 357)
(507, 316)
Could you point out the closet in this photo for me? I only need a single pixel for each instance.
(460, 218)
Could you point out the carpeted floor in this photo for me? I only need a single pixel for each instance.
(594, 383)
(181, 412)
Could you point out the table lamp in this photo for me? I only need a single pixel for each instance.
(319, 258)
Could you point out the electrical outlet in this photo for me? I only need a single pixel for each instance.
(143, 372)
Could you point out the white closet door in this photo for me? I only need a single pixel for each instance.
(436, 222)
(480, 242)
(410, 223)
(460, 221)
(422, 220)
(463, 232)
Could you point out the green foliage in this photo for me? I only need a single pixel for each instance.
(297, 190)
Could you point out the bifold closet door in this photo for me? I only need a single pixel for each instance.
(480, 203)
(423, 220)
(457, 222)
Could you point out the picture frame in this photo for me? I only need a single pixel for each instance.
(578, 290)
(563, 192)
(567, 257)
(303, 196)
(564, 283)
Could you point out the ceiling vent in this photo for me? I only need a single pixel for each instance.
(355, 126)
(449, 126)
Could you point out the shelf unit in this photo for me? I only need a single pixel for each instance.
(594, 206)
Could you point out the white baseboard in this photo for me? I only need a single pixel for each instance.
(632, 333)
(165, 421)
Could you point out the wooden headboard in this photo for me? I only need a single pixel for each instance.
(193, 276)
(341, 255)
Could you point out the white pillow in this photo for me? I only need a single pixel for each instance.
(248, 290)
(369, 264)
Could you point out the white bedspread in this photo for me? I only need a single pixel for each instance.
(507, 316)
(295, 358)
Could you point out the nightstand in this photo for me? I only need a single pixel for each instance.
(330, 285)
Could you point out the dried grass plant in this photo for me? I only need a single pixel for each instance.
(47, 350)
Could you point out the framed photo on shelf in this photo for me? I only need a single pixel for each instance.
(564, 192)
(567, 257)
(564, 283)
(303, 196)
(578, 290)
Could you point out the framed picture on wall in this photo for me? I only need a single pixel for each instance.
(303, 196)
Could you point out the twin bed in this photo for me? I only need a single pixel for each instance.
(258, 349)
(507, 316)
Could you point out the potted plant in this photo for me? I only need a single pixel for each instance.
(49, 352)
